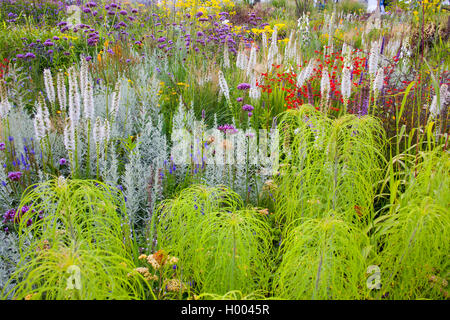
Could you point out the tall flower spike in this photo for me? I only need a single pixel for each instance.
(61, 87)
(83, 75)
(273, 50)
(49, 86)
(5, 106)
(264, 41)
(444, 97)
(306, 73)
(254, 92)
(224, 87)
(44, 110)
(74, 98)
(107, 130)
(38, 121)
(241, 61)
(98, 131)
(89, 101)
(69, 136)
(373, 59)
(226, 57)
(346, 88)
(379, 80)
(325, 91)
(116, 95)
(325, 83)
(252, 60)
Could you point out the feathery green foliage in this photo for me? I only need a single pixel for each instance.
(81, 237)
(221, 245)
(322, 258)
(415, 233)
(328, 165)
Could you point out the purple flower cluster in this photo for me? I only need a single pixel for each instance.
(227, 128)
(14, 176)
(243, 86)
(14, 216)
(249, 108)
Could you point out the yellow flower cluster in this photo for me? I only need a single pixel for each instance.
(182, 7)
(267, 29)
(430, 6)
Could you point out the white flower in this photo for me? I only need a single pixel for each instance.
(61, 90)
(226, 58)
(241, 61)
(373, 59)
(306, 73)
(98, 131)
(74, 97)
(224, 86)
(346, 88)
(264, 40)
(5, 106)
(39, 126)
(379, 79)
(83, 75)
(88, 101)
(49, 87)
(252, 60)
(325, 83)
(444, 97)
(69, 135)
(116, 95)
(254, 92)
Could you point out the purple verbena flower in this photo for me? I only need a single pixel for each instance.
(243, 86)
(247, 107)
(14, 175)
